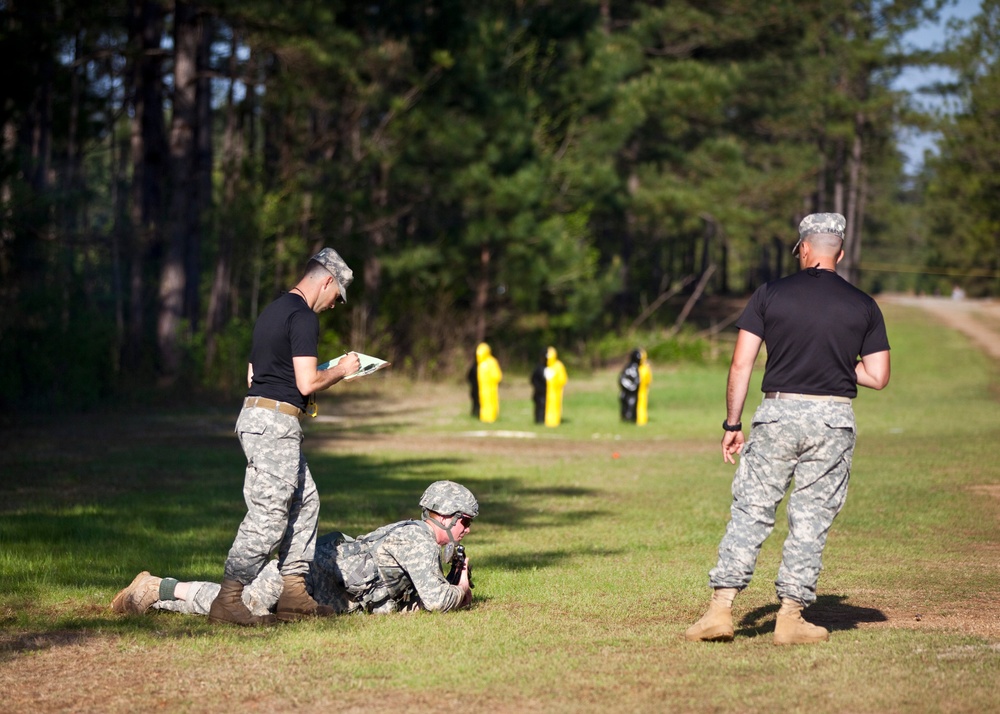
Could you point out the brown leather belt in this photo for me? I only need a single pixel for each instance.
(265, 403)
(807, 397)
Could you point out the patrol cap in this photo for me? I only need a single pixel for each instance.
(448, 498)
(331, 260)
(828, 223)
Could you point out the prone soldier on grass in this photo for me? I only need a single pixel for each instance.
(395, 568)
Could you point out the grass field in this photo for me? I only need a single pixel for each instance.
(590, 556)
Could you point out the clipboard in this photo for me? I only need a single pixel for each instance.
(369, 365)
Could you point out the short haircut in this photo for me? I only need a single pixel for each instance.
(825, 243)
(316, 271)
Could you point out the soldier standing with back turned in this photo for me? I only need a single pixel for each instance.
(816, 326)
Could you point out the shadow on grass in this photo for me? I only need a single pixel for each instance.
(833, 613)
(77, 631)
(88, 501)
(829, 611)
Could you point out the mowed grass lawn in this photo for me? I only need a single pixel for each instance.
(590, 557)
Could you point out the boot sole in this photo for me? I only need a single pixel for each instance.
(793, 641)
(118, 604)
(262, 622)
(292, 616)
(712, 635)
(296, 616)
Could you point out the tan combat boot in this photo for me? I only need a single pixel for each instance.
(139, 596)
(716, 625)
(296, 603)
(791, 629)
(229, 607)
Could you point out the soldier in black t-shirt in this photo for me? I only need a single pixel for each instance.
(824, 337)
(282, 502)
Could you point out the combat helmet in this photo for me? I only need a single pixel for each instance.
(449, 498)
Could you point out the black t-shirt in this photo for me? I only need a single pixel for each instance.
(286, 328)
(815, 325)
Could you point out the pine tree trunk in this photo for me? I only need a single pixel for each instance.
(71, 176)
(182, 220)
(218, 300)
(201, 185)
(148, 157)
(482, 293)
(376, 244)
(838, 178)
(41, 135)
(848, 266)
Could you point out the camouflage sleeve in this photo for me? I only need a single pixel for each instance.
(418, 555)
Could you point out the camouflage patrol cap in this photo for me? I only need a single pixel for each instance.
(828, 223)
(448, 498)
(331, 260)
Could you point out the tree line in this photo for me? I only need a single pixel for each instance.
(539, 172)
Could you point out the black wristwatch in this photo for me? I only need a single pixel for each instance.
(732, 427)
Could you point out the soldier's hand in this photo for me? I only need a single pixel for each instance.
(349, 363)
(465, 585)
(732, 444)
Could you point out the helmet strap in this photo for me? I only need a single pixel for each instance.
(455, 517)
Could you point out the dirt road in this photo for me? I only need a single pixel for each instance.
(977, 319)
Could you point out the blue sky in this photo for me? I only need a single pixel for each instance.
(914, 144)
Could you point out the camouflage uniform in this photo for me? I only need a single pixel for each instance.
(408, 576)
(261, 595)
(408, 571)
(279, 491)
(281, 497)
(815, 441)
(805, 426)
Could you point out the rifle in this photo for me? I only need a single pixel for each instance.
(457, 561)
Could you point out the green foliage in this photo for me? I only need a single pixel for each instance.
(226, 372)
(536, 171)
(962, 181)
(66, 366)
(681, 349)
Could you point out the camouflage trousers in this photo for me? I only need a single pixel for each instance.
(281, 498)
(261, 596)
(812, 442)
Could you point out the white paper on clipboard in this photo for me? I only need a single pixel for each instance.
(369, 365)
